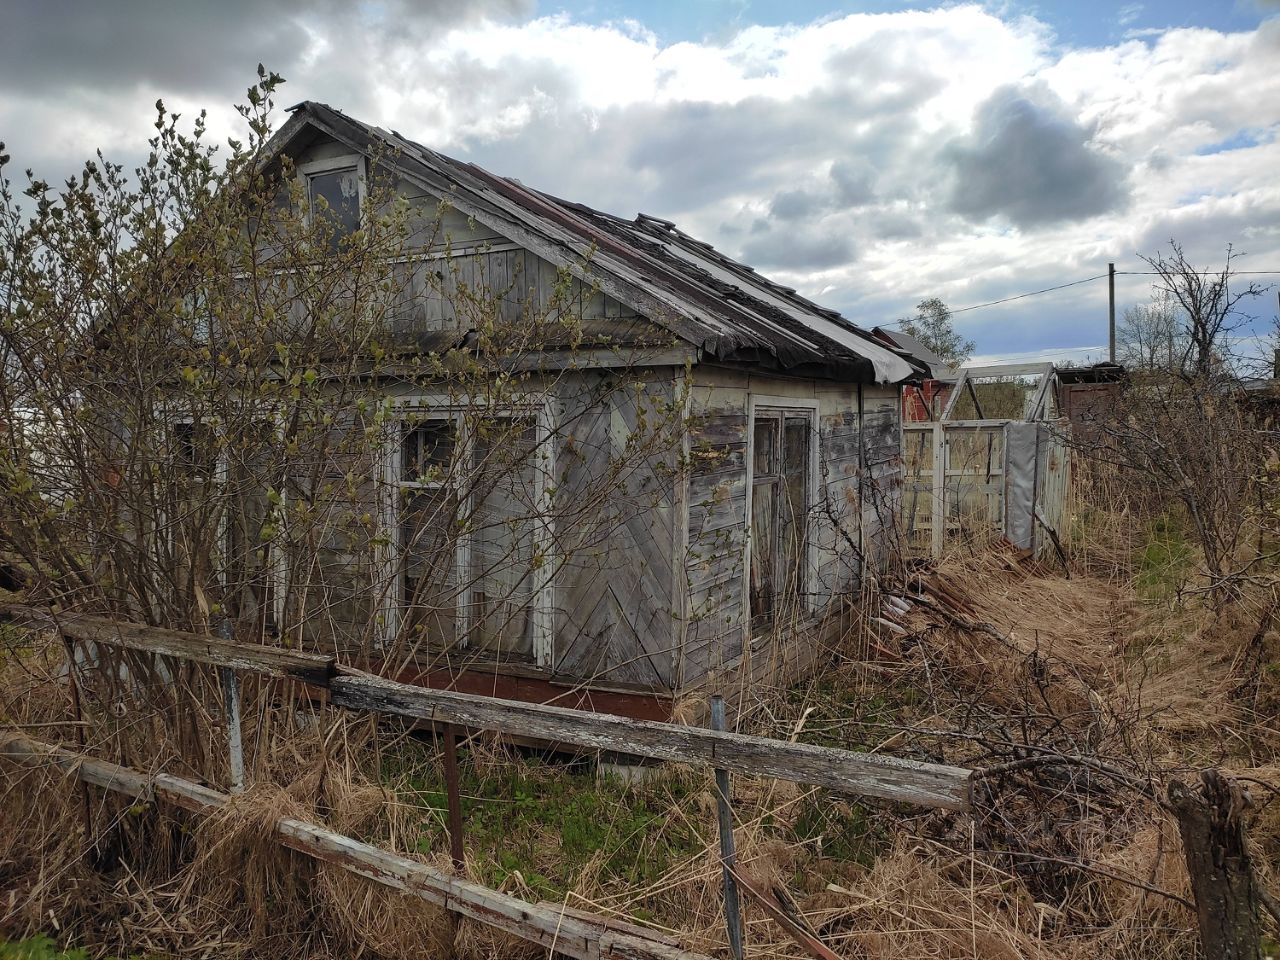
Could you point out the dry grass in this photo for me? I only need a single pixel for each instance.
(1081, 868)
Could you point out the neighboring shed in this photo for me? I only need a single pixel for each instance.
(923, 398)
(1087, 395)
(758, 518)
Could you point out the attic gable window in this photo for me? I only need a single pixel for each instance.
(335, 191)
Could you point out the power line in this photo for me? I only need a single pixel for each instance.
(1033, 293)
(1020, 296)
(1207, 273)
(1076, 283)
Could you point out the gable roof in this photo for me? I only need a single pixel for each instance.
(722, 307)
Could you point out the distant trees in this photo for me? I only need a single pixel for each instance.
(932, 325)
(1192, 447)
(1151, 336)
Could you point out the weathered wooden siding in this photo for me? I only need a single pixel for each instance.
(438, 299)
(460, 275)
(333, 576)
(836, 526)
(714, 628)
(857, 487)
(882, 497)
(615, 519)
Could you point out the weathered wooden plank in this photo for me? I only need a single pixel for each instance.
(717, 487)
(791, 924)
(710, 516)
(272, 661)
(719, 428)
(839, 447)
(540, 923)
(714, 566)
(887, 778)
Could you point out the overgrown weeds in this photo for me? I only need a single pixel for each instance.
(1079, 699)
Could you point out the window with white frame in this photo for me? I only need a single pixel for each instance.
(334, 194)
(427, 525)
(782, 453)
(472, 536)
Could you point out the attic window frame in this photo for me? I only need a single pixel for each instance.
(313, 168)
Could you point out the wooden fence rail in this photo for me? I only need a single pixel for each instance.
(542, 923)
(845, 771)
(577, 935)
(868, 775)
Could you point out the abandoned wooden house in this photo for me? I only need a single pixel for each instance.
(778, 488)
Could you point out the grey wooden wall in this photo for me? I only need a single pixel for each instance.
(616, 527)
(858, 485)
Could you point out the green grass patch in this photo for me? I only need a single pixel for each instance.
(558, 823)
(548, 819)
(38, 948)
(42, 947)
(1164, 561)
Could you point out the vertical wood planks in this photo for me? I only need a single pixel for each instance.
(939, 489)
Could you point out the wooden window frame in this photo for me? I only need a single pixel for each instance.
(277, 563)
(538, 407)
(313, 168)
(786, 407)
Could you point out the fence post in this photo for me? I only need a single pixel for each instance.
(939, 489)
(728, 857)
(231, 702)
(453, 794)
(235, 745)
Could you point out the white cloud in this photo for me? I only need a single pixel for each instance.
(874, 159)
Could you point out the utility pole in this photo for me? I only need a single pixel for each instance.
(1111, 308)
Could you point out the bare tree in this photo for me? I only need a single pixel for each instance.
(223, 409)
(1150, 335)
(1209, 305)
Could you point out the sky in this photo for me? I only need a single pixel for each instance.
(871, 155)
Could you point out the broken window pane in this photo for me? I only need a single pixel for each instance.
(763, 551)
(794, 504)
(193, 449)
(766, 438)
(426, 450)
(779, 510)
